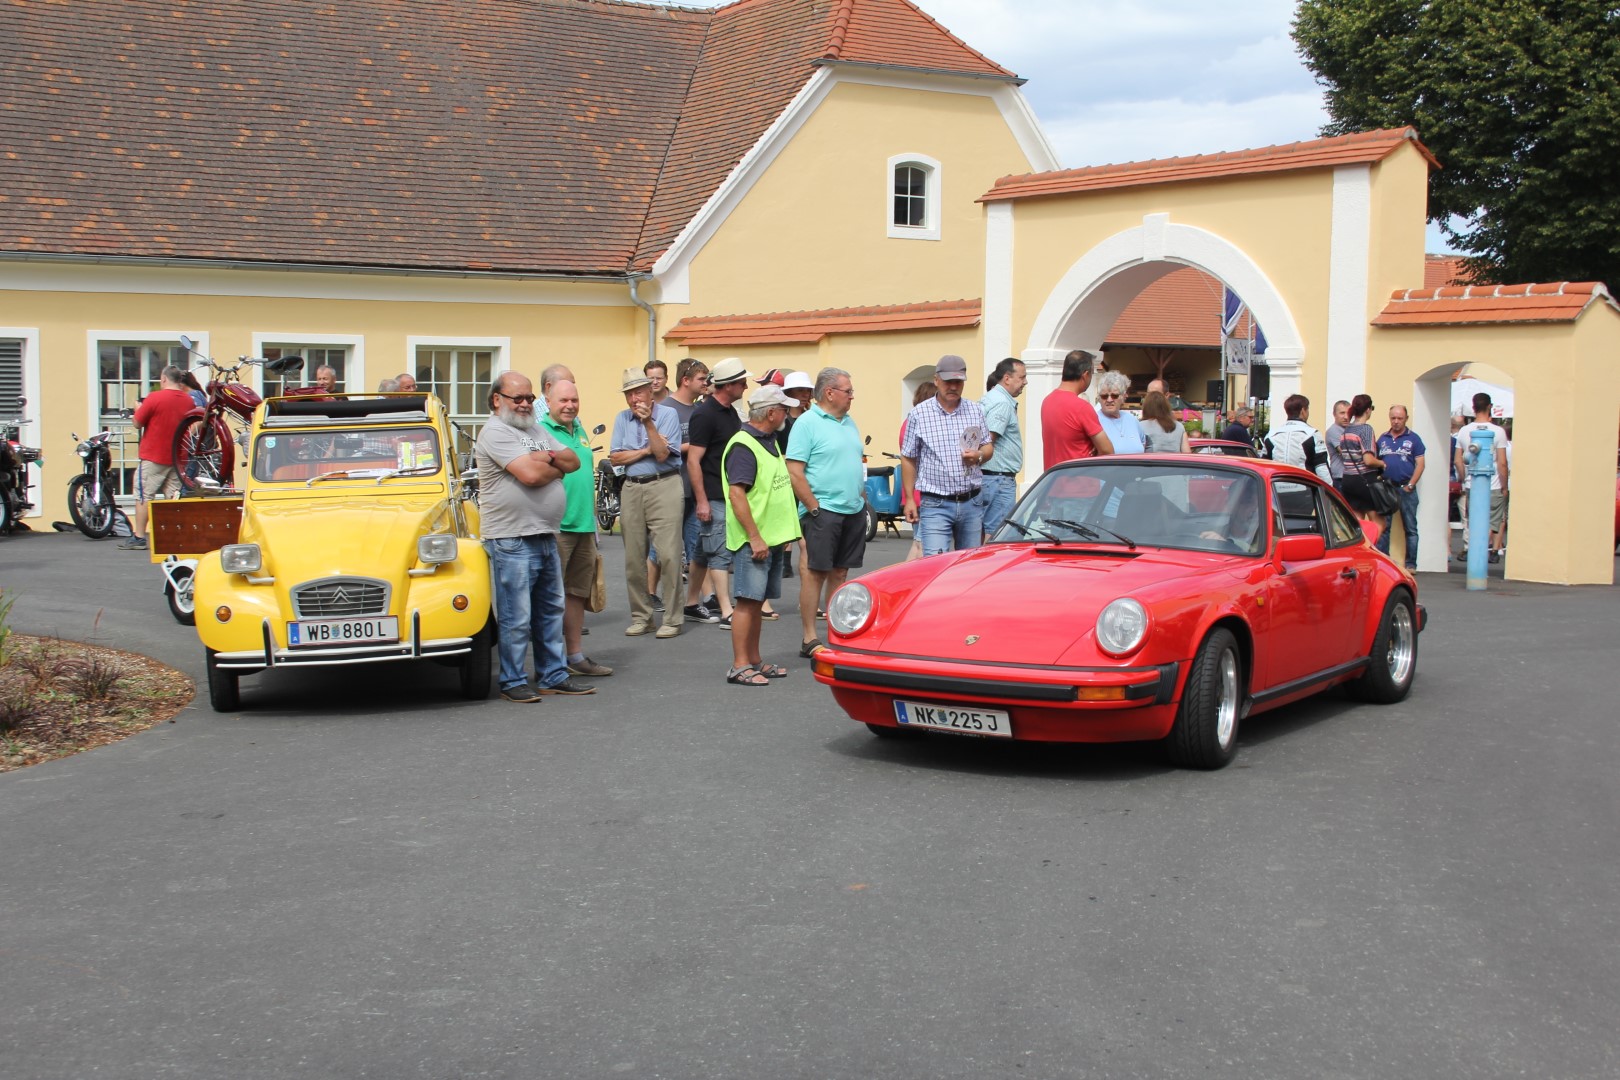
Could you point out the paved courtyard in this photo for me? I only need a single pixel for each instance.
(360, 875)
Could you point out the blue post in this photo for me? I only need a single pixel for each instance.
(1479, 461)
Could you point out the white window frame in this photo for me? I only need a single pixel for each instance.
(125, 445)
(929, 229)
(501, 346)
(32, 433)
(354, 378)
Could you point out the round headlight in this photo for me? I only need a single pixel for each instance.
(1122, 627)
(850, 608)
(84, 449)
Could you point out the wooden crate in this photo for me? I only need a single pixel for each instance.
(194, 526)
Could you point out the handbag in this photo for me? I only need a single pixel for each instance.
(597, 601)
(1383, 495)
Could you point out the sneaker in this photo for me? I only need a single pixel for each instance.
(587, 666)
(523, 693)
(570, 687)
(636, 629)
(700, 613)
(667, 631)
(133, 543)
(725, 623)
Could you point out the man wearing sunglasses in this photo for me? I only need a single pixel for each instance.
(521, 502)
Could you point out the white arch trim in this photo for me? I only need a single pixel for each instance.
(1157, 239)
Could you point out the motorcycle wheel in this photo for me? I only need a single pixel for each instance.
(8, 518)
(94, 518)
(202, 449)
(182, 601)
(607, 509)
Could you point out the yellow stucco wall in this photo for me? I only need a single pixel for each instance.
(596, 341)
(1400, 201)
(813, 231)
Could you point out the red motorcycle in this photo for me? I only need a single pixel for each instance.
(205, 442)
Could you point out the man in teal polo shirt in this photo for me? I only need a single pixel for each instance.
(576, 536)
(824, 462)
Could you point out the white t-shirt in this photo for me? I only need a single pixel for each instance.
(1499, 441)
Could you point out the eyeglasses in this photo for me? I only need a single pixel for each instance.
(841, 390)
(1108, 397)
(521, 399)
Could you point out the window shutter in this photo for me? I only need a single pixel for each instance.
(11, 379)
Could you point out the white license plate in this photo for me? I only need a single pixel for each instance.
(957, 719)
(363, 631)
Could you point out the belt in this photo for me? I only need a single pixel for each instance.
(963, 497)
(647, 479)
(992, 472)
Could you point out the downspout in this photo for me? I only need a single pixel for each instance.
(652, 316)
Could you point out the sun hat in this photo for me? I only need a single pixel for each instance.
(728, 370)
(799, 380)
(634, 379)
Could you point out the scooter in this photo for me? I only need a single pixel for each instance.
(882, 496)
(14, 461)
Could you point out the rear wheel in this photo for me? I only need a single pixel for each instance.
(607, 504)
(94, 516)
(7, 517)
(1388, 677)
(871, 522)
(202, 449)
(182, 602)
(224, 690)
(476, 667)
(1204, 735)
(884, 731)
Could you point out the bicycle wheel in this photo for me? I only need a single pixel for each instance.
(201, 449)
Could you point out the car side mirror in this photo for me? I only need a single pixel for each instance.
(1306, 547)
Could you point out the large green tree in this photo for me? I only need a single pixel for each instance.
(1520, 101)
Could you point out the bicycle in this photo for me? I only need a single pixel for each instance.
(205, 442)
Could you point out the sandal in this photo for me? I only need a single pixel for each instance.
(809, 648)
(772, 671)
(747, 675)
(772, 615)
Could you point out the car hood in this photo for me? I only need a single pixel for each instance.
(314, 538)
(1028, 604)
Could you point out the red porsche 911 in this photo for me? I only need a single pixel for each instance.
(1143, 597)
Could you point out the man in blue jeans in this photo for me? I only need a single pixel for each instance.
(1402, 453)
(521, 503)
(946, 444)
(1000, 405)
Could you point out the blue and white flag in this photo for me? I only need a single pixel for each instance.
(1231, 312)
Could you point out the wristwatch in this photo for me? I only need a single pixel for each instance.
(816, 512)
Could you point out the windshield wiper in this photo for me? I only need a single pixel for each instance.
(1090, 532)
(1027, 531)
(417, 470)
(344, 474)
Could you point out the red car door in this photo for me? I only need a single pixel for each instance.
(1312, 604)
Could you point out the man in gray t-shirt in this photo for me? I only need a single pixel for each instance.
(521, 503)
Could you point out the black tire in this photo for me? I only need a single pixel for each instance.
(7, 519)
(1204, 735)
(1388, 677)
(182, 603)
(607, 508)
(871, 523)
(477, 667)
(884, 731)
(94, 519)
(224, 689)
(199, 451)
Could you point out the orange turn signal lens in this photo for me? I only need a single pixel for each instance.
(824, 668)
(459, 602)
(222, 613)
(1100, 693)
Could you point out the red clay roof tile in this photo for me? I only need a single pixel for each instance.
(1560, 301)
(1180, 309)
(1363, 147)
(812, 326)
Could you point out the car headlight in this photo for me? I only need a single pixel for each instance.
(437, 548)
(241, 558)
(1122, 627)
(850, 609)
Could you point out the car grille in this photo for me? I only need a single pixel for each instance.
(334, 597)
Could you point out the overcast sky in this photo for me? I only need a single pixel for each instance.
(1134, 79)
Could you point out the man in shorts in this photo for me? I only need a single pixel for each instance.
(576, 535)
(761, 526)
(714, 422)
(824, 457)
(158, 416)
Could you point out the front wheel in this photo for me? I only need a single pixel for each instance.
(1388, 677)
(8, 517)
(607, 506)
(202, 448)
(476, 667)
(182, 600)
(871, 522)
(92, 513)
(1204, 735)
(224, 689)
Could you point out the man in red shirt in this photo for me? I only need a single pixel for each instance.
(158, 414)
(1069, 425)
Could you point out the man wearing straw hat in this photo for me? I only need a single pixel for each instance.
(647, 442)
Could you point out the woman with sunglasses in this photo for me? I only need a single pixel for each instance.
(1120, 425)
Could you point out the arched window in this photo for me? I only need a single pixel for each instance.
(913, 197)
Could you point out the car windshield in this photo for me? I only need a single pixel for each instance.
(299, 456)
(1118, 501)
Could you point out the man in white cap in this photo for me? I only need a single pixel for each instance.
(762, 525)
(947, 442)
(646, 440)
(714, 422)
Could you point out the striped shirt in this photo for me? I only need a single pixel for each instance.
(934, 440)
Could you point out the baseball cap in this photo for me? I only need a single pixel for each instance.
(770, 394)
(951, 367)
(728, 370)
(772, 375)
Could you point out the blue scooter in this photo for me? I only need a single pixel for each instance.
(882, 497)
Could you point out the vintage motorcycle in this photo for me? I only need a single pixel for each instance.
(14, 482)
(609, 483)
(93, 494)
(206, 441)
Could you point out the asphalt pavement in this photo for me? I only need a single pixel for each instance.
(359, 875)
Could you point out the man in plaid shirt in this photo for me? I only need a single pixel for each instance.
(946, 442)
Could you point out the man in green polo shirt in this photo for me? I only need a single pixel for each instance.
(762, 523)
(576, 536)
(824, 456)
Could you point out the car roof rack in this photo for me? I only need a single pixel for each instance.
(305, 411)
